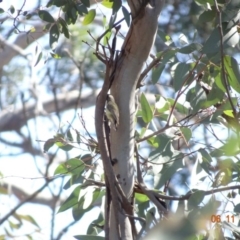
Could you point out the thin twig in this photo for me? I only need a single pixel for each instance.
(19, 12)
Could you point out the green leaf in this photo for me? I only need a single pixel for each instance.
(126, 15)
(28, 16)
(50, 3)
(36, 49)
(232, 194)
(237, 208)
(232, 71)
(55, 55)
(82, 9)
(98, 194)
(231, 36)
(107, 3)
(106, 38)
(78, 136)
(46, 16)
(229, 113)
(207, 16)
(64, 27)
(62, 144)
(219, 82)
(53, 36)
(163, 140)
(165, 164)
(153, 141)
(230, 148)
(162, 105)
(141, 197)
(204, 2)
(78, 212)
(12, 9)
(38, 59)
(228, 164)
(71, 15)
(1, 11)
(195, 199)
(92, 230)
(61, 169)
(116, 5)
(86, 3)
(168, 56)
(74, 179)
(215, 95)
(69, 135)
(231, 12)
(72, 166)
(197, 98)
(179, 107)
(48, 144)
(47, 27)
(92, 196)
(213, 42)
(28, 218)
(227, 105)
(62, 3)
(71, 201)
(205, 160)
(190, 48)
(87, 158)
(187, 133)
(180, 73)
(89, 17)
(150, 217)
(112, 20)
(15, 225)
(74, 15)
(156, 73)
(88, 198)
(212, 45)
(147, 113)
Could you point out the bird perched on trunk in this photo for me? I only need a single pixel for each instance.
(112, 112)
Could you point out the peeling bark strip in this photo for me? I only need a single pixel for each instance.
(134, 53)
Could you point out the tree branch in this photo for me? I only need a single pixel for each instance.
(14, 120)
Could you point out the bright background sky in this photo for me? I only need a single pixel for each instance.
(23, 173)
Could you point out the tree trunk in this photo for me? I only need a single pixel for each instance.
(135, 51)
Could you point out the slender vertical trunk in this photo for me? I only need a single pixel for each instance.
(134, 54)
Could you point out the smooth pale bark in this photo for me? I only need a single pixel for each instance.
(135, 51)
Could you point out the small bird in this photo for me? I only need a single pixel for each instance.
(112, 111)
